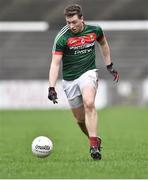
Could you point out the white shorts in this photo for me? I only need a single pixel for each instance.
(74, 88)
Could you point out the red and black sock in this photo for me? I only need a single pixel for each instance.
(93, 141)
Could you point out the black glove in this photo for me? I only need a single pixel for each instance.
(52, 95)
(113, 72)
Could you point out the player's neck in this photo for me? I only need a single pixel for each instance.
(83, 26)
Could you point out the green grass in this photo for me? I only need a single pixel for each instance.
(124, 131)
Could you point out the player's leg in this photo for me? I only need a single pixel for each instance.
(88, 84)
(91, 120)
(88, 94)
(79, 115)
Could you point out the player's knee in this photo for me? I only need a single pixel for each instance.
(89, 105)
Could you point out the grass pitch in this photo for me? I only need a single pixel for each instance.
(125, 145)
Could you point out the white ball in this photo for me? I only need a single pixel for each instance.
(42, 146)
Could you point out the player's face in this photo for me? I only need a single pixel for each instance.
(75, 23)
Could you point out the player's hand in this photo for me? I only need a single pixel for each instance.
(52, 95)
(113, 72)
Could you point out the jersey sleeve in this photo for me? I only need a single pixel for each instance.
(58, 46)
(99, 33)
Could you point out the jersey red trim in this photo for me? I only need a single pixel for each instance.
(57, 52)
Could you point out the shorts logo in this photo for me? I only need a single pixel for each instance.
(79, 41)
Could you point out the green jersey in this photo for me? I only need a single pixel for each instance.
(78, 50)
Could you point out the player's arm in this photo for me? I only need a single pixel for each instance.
(107, 58)
(53, 76)
(105, 50)
(54, 69)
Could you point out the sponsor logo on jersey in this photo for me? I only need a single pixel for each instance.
(81, 40)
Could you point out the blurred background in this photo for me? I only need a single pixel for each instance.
(27, 32)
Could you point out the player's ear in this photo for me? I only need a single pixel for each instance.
(82, 18)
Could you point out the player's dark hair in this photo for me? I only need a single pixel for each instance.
(72, 10)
